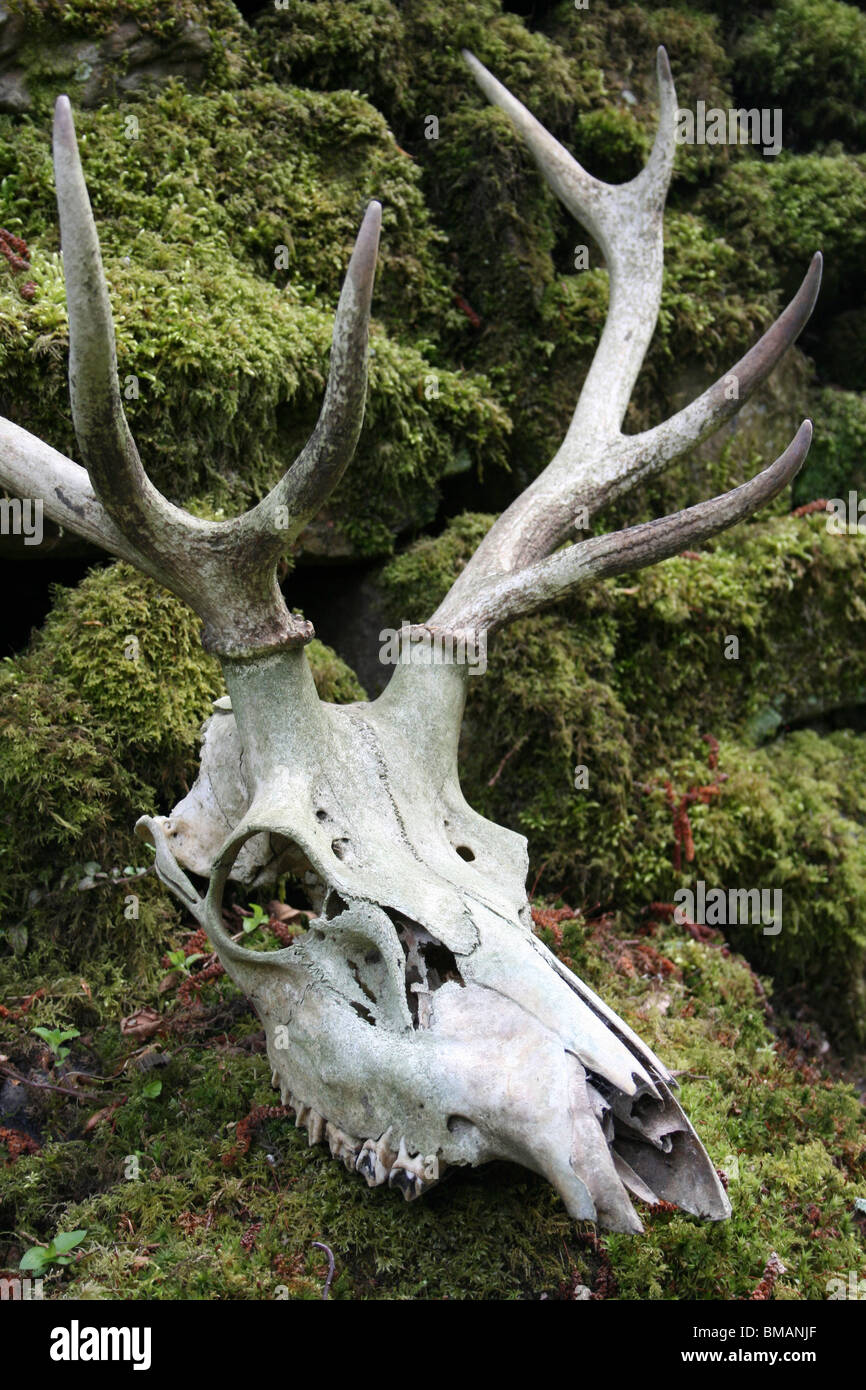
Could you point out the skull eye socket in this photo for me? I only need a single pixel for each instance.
(274, 857)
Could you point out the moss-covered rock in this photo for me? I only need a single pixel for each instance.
(789, 816)
(837, 459)
(100, 52)
(779, 212)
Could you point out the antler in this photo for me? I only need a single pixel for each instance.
(226, 571)
(508, 574)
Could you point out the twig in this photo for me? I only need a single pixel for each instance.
(49, 1086)
(537, 877)
(331, 1266)
(510, 754)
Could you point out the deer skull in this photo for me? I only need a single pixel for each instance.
(418, 1023)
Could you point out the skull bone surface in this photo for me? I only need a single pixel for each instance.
(418, 1023)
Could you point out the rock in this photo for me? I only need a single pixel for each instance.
(322, 542)
(14, 96)
(11, 31)
(146, 61)
(125, 60)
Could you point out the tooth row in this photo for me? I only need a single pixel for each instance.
(376, 1160)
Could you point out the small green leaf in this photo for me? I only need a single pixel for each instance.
(35, 1258)
(62, 1243)
(151, 1090)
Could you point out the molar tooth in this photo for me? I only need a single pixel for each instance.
(385, 1155)
(342, 1145)
(365, 1164)
(406, 1174)
(370, 1165)
(405, 1181)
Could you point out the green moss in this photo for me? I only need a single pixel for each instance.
(788, 816)
(407, 58)
(808, 57)
(166, 1206)
(114, 640)
(779, 212)
(837, 459)
(335, 681)
(97, 16)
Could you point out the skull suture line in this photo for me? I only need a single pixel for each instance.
(417, 1023)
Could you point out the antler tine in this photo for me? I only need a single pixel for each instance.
(659, 166)
(718, 403)
(500, 599)
(583, 195)
(626, 221)
(324, 459)
(103, 435)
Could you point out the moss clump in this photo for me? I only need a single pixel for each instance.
(132, 653)
(837, 459)
(407, 58)
(96, 17)
(791, 816)
(808, 57)
(780, 212)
